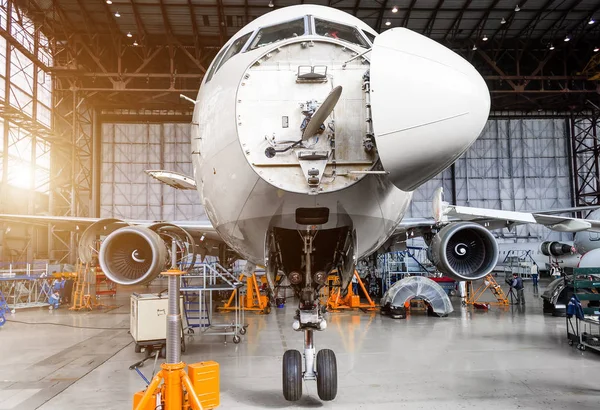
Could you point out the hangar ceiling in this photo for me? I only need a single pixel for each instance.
(133, 53)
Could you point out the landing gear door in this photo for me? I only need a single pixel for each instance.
(428, 105)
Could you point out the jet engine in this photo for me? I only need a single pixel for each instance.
(464, 251)
(135, 255)
(555, 248)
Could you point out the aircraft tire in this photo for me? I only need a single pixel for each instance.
(326, 375)
(292, 375)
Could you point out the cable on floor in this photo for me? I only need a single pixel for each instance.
(66, 325)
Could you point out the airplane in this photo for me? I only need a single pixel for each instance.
(545, 254)
(583, 251)
(309, 134)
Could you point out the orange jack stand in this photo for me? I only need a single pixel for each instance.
(336, 302)
(181, 390)
(488, 283)
(252, 300)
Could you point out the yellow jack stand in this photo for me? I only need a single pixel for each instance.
(179, 390)
(336, 302)
(252, 300)
(488, 283)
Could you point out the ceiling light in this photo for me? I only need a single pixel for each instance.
(485, 38)
(596, 49)
(551, 47)
(108, 1)
(135, 43)
(117, 14)
(503, 21)
(395, 9)
(517, 8)
(129, 34)
(592, 21)
(474, 47)
(388, 23)
(567, 38)
(271, 4)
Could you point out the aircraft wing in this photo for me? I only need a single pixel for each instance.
(492, 219)
(74, 223)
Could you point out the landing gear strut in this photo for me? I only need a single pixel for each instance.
(309, 318)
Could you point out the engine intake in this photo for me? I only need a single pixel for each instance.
(464, 251)
(133, 255)
(555, 248)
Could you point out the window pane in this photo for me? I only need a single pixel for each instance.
(339, 32)
(370, 36)
(44, 115)
(213, 67)
(268, 35)
(235, 48)
(21, 100)
(21, 71)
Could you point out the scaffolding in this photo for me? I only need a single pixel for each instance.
(519, 262)
(25, 285)
(395, 266)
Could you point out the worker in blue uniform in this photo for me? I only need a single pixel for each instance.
(517, 284)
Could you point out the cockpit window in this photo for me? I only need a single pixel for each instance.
(370, 36)
(215, 63)
(339, 32)
(235, 48)
(268, 35)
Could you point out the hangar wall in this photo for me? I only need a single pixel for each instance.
(127, 191)
(516, 164)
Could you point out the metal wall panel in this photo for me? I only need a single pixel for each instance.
(517, 164)
(127, 191)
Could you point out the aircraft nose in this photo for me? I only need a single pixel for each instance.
(428, 105)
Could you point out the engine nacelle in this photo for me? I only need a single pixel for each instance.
(133, 255)
(555, 248)
(464, 251)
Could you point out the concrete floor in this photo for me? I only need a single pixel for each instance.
(501, 359)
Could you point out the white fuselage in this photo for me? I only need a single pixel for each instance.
(532, 252)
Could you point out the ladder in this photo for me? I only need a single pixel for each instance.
(81, 297)
(489, 282)
(195, 307)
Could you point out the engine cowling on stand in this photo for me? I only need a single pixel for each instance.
(464, 251)
(137, 255)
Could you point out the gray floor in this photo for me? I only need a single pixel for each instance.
(501, 359)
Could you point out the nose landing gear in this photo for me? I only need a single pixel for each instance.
(322, 366)
(325, 371)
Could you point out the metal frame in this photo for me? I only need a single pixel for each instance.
(585, 131)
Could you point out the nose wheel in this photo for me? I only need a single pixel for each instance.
(292, 375)
(325, 374)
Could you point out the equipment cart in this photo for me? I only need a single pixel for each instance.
(584, 330)
(148, 322)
